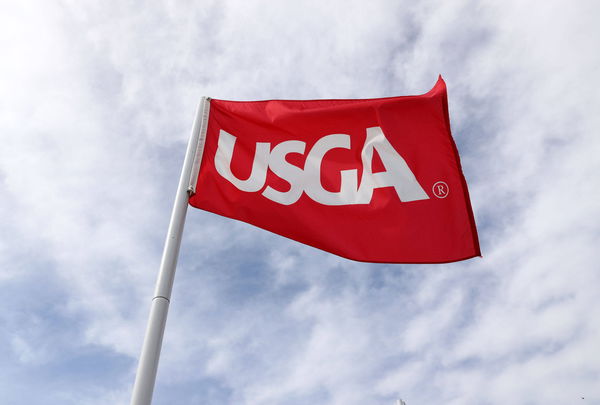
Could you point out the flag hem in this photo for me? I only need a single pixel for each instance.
(204, 110)
(467, 198)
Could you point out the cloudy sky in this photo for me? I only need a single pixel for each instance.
(96, 102)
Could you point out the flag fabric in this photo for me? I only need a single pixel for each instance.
(375, 180)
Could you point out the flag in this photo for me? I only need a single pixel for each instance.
(375, 180)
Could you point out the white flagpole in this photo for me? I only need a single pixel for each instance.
(148, 363)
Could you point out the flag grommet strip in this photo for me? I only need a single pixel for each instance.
(203, 110)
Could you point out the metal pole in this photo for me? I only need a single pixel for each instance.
(148, 363)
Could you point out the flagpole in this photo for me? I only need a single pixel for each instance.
(148, 363)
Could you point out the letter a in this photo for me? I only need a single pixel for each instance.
(397, 174)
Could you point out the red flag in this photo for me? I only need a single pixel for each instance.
(376, 180)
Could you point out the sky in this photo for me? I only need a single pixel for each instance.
(97, 99)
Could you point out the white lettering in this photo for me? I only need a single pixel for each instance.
(312, 173)
(223, 157)
(287, 171)
(397, 174)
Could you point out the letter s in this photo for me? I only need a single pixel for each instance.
(287, 171)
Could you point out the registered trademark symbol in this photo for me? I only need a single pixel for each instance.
(440, 189)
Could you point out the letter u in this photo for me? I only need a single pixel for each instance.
(223, 157)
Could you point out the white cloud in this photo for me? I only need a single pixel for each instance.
(96, 100)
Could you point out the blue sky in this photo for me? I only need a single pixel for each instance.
(96, 102)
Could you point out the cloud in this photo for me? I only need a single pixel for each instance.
(96, 101)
